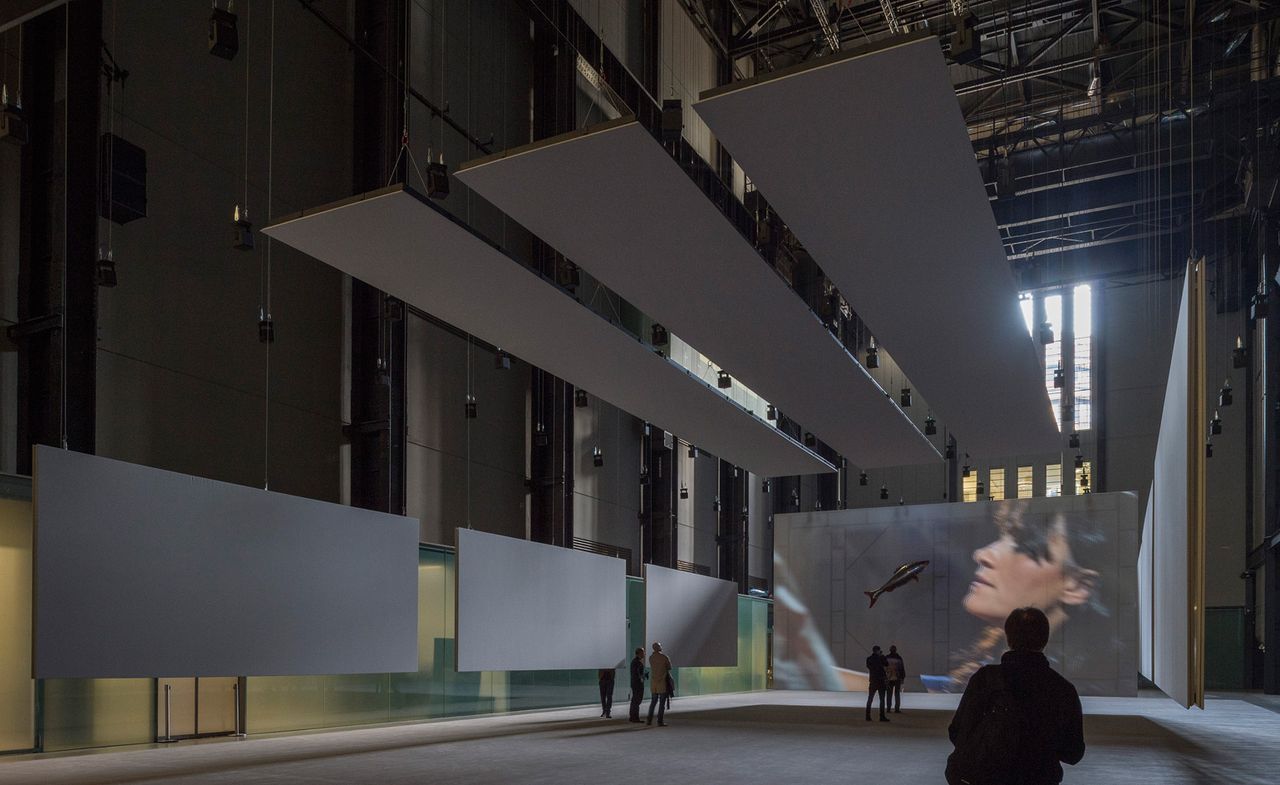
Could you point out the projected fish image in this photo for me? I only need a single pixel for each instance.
(907, 572)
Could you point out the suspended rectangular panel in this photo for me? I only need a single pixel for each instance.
(141, 572)
(694, 617)
(613, 200)
(528, 606)
(866, 157)
(397, 241)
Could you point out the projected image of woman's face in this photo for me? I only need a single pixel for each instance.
(1009, 576)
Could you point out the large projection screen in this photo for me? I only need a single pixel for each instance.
(1173, 546)
(1072, 556)
(147, 573)
(528, 606)
(694, 617)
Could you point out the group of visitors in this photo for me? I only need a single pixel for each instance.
(661, 686)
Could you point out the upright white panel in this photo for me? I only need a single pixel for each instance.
(528, 606)
(1146, 598)
(694, 617)
(147, 573)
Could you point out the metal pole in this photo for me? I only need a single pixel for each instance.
(236, 690)
(168, 708)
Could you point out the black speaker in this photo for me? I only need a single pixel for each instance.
(224, 39)
(672, 119)
(122, 186)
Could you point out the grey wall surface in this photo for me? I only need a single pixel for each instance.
(183, 381)
(146, 573)
(694, 617)
(825, 561)
(528, 606)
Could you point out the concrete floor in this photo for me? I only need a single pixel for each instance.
(774, 737)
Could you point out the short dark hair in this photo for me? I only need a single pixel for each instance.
(875, 648)
(640, 650)
(1027, 629)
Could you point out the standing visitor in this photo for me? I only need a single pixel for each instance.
(659, 669)
(607, 677)
(896, 673)
(637, 684)
(877, 681)
(1020, 720)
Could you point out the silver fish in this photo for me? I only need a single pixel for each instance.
(900, 577)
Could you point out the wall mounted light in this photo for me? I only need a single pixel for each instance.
(597, 456)
(580, 398)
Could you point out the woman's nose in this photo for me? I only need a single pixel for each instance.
(982, 557)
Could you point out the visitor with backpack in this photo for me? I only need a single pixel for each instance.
(1020, 720)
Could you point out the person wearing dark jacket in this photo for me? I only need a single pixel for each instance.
(607, 677)
(637, 684)
(1038, 710)
(897, 673)
(877, 681)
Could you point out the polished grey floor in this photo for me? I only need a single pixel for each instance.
(774, 737)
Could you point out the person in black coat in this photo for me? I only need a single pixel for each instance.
(877, 682)
(638, 676)
(1038, 708)
(607, 677)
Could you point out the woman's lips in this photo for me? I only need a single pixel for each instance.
(978, 580)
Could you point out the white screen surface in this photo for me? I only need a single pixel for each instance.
(528, 606)
(147, 573)
(694, 617)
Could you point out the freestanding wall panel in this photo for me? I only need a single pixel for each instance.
(526, 606)
(147, 573)
(1173, 544)
(694, 617)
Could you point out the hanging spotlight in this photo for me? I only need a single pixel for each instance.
(266, 327)
(810, 440)
(1258, 303)
(950, 453)
(540, 438)
(771, 412)
(224, 39)
(1239, 357)
(965, 471)
(766, 487)
(905, 397)
(470, 407)
(873, 355)
(502, 361)
(437, 177)
(660, 335)
(1046, 333)
(13, 126)
(693, 451)
(1073, 441)
(901, 501)
(580, 398)
(1079, 461)
(105, 274)
(243, 240)
(1208, 449)
(1059, 377)
(817, 504)
(930, 426)
(795, 499)
(724, 381)
(684, 492)
(1215, 425)
(884, 492)
(981, 489)
(862, 478)
(1084, 481)
(597, 456)
(1224, 395)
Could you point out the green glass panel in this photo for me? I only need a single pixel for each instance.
(97, 712)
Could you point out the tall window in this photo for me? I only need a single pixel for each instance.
(1053, 354)
(1082, 311)
(969, 485)
(1053, 479)
(1026, 484)
(995, 485)
(1085, 471)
